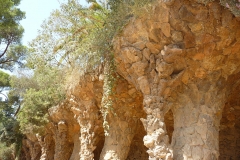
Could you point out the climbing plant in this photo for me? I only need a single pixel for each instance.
(119, 15)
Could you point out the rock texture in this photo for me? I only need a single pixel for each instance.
(187, 58)
(176, 93)
(123, 118)
(47, 144)
(31, 147)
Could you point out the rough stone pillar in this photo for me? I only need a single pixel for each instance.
(119, 138)
(47, 146)
(63, 148)
(85, 98)
(88, 119)
(31, 147)
(86, 140)
(196, 122)
(156, 140)
(120, 119)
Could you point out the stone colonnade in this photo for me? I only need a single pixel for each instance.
(183, 57)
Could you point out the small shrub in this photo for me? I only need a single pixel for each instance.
(7, 153)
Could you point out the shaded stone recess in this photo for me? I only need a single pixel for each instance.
(168, 119)
(229, 135)
(176, 95)
(123, 119)
(137, 149)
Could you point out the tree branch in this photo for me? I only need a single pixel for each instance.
(4, 52)
(4, 96)
(18, 109)
(8, 60)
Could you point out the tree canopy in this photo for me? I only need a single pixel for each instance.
(11, 33)
(10, 136)
(12, 52)
(63, 42)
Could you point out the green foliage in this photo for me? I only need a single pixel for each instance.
(66, 37)
(64, 43)
(76, 36)
(14, 56)
(10, 136)
(33, 115)
(7, 152)
(43, 90)
(60, 45)
(11, 33)
(4, 79)
(9, 124)
(73, 38)
(119, 14)
(108, 93)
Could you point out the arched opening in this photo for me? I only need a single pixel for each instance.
(99, 148)
(138, 150)
(229, 134)
(169, 121)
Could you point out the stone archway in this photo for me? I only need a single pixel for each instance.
(169, 121)
(137, 148)
(99, 146)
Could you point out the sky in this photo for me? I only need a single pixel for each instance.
(36, 12)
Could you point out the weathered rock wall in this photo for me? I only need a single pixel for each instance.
(176, 95)
(182, 58)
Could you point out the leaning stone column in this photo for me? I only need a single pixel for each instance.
(87, 117)
(87, 134)
(63, 148)
(47, 146)
(119, 138)
(32, 147)
(156, 140)
(85, 99)
(196, 122)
